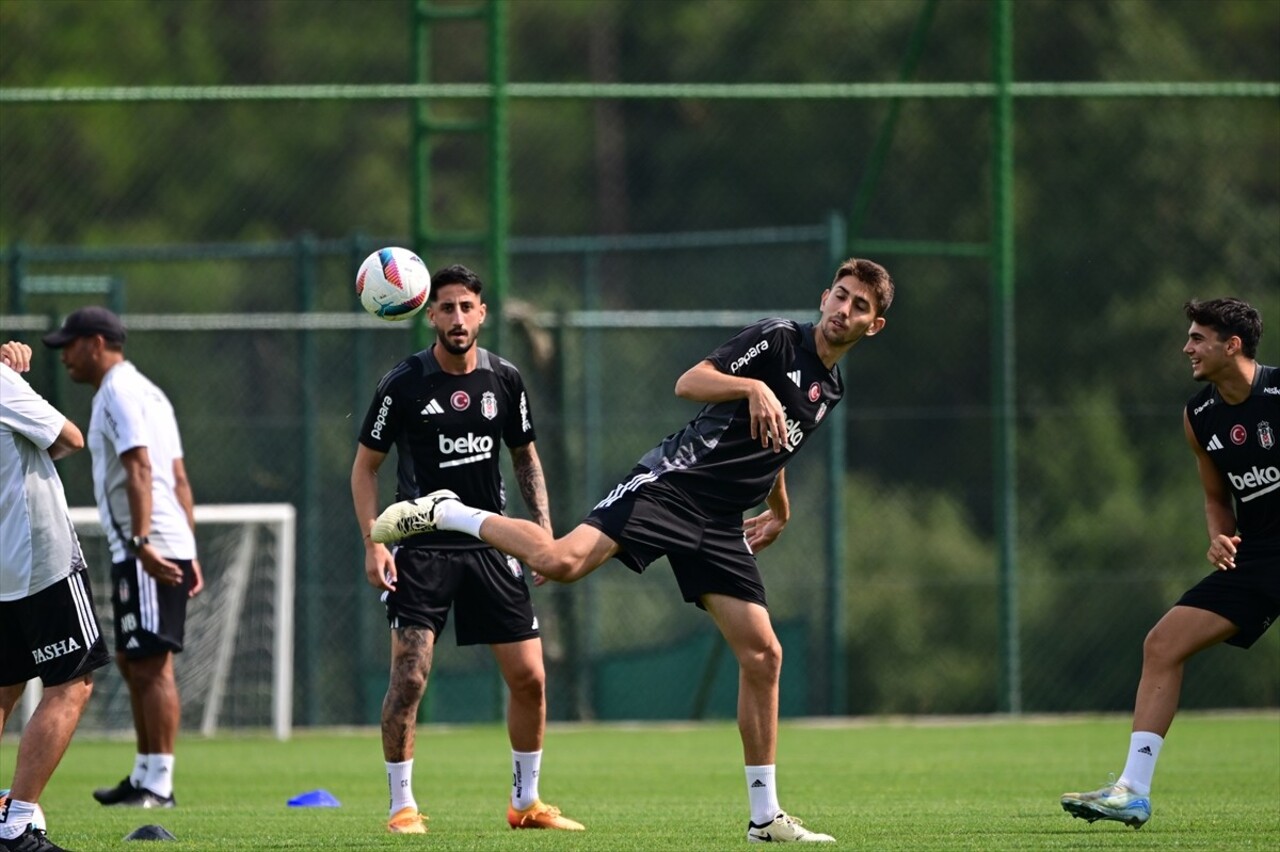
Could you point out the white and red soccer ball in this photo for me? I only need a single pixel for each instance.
(393, 284)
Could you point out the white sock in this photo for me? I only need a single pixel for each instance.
(400, 783)
(762, 793)
(139, 773)
(159, 778)
(452, 515)
(17, 815)
(1144, 748)
(525, 766)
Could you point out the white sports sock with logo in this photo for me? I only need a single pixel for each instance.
(762, 793)
(400, 783)
(17, 816)
(159, 778)
(1144, 748)
(458, 517)
(139, 773)
(525, 766)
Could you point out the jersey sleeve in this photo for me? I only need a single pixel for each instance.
(27, 412)
(126, 419)
(518, 430)
(382, 420)
(748, 351)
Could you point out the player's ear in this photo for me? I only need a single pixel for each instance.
(876, 325)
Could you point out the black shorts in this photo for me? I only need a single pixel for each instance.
(709, 555)
(54, 634)
(150, 617)
(1248, 595)
(486, 589)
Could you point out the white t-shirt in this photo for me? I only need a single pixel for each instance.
(38, 545)
(130, 411)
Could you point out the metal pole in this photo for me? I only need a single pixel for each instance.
(837, 672)
(311, 527)
(499, 171)
(1003, 353)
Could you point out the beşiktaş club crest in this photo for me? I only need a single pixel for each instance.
(488, 405)
(1266, 437)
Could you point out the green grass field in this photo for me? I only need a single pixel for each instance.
(877, 785)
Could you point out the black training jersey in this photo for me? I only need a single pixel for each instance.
(714, 460)
(1242, 442)
(446, 430)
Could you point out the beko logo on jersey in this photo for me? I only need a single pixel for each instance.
(376, 432)
(468, 443)
(794, 434)
(1203, 406)
(471, 447)
(1264, 478)
(57, 649)
(762, 346)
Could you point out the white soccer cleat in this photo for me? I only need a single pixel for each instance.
(785, 829)
(1114, 801)
(409, 517)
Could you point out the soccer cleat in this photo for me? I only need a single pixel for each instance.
(141, 797)
(114, 795)
(1114, 801)
(409, 517)
(784, 829)
(407, 821)
(539, 815)
(31, 840)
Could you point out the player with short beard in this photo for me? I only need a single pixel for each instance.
(445, 410)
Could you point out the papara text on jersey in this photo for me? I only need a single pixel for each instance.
(762, 346)
(376, 432)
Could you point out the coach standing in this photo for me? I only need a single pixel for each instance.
(146, 508)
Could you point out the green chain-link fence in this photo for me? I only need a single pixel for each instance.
(1142, 173)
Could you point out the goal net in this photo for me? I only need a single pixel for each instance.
(236, 669)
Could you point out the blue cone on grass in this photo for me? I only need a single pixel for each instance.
(315, 799)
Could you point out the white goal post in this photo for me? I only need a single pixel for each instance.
(236, 669)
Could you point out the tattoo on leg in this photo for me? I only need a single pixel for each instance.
(410, 667)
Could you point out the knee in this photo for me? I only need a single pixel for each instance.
(1160, 646)
(764, 661)
(527, 685)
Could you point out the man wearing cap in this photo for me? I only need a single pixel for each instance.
(147, 511)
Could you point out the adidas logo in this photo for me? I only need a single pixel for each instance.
(1214, 444)
(132, 643)
(794, 376)
(758, 782)
(1145, 750)
(433, 407)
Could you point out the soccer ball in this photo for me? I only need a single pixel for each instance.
(37, 819)
(393, 284)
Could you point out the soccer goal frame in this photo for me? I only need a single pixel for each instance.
(233, 572)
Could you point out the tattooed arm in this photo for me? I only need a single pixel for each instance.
(533, 486)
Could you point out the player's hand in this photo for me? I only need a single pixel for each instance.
(538, 579)
(16, 355)
(379, 567)
(166, 573)
(197, 586)
(768, 423)
(762, 530)
(1222, 552)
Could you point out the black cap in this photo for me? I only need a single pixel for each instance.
(86, 322)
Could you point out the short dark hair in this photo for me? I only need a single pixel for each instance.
(873, 275)
(1229, 317)
(456, 274)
